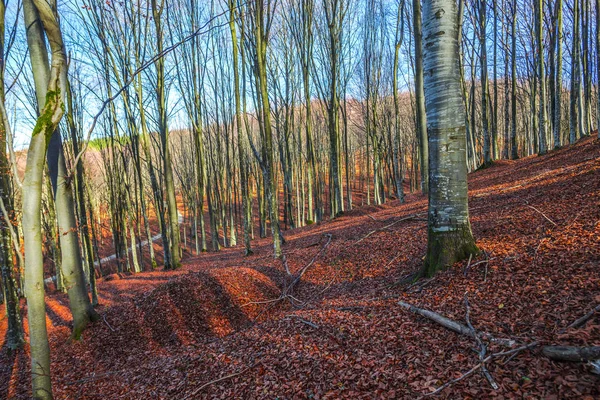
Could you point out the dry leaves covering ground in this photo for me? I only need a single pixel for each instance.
(171, 335)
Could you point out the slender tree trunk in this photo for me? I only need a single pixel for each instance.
(598, 66)
(557, 128)
(242, 152)
(175, 239)
(487, 149)
(513, 95)
(574, 125)
(269, 173)
(80, 191)
(421, 117)
(541, 76)
(398, 174)
(507, 99)
(495, 111)
(586, 58)
(14, 333)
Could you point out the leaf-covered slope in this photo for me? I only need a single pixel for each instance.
(212, 331)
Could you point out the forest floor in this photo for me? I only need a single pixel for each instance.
(213, 330)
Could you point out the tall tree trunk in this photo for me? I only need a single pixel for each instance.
(513, 76)
(14, 332)
(269, 173)
(507, 99)
(556, 128)
(449, 230)
(242, 148)
(574, 106)
(487, 149)
(163, 128)
(80, 191)
(421, 117)
(586, 58)
(46, 124)
(495, 111)
(541, 75)
(71, 263)
(598, 66)
(398, 174)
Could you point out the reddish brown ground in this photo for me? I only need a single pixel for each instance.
(166, 334)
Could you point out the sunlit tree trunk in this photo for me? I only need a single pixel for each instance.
(449, 230)
(46, 124)
(71, 262)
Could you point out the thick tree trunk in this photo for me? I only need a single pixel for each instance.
(449, 232)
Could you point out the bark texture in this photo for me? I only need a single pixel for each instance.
(449, 235)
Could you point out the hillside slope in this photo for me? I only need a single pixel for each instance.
(342, 334)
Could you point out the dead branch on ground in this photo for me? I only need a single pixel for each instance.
(481, 364)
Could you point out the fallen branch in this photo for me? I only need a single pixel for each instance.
(581, 321)
(311, 324)
(538, 211)
(453, 325)
(94, 377)
(413, 216)
(224, 378)
(468, 264)
(288, 289)
(317, 327)
(482, 346)
(572, 353)
(440, 319)
(481, 364)
(107, 324)
(298, 276)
